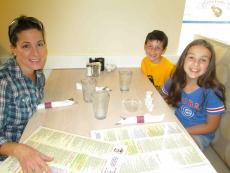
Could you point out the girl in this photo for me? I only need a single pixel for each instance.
(196, 93)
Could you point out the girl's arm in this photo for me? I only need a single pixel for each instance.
(212, 124)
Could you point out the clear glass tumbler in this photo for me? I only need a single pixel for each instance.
(125, 77)
(100, 104)
(88, 88)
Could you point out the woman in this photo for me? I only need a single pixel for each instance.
(21, 90)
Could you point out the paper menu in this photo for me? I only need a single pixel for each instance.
(158, 147)
(72, 153)
(136, 132)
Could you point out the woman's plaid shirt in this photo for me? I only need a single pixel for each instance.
(19, 97)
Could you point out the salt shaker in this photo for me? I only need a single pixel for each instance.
(149, 101)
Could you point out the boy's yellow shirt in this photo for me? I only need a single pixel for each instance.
(158, 73)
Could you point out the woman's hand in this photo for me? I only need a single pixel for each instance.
(31, 160)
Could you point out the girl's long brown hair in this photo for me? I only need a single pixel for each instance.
(207, 80)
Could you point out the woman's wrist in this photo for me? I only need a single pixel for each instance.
(8, 149)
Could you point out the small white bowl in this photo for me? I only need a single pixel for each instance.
(131, 104)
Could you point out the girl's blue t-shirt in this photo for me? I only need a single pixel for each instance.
(194, 107)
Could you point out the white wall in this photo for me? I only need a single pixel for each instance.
(110, 28)
(60, 62)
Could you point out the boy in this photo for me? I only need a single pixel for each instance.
(156, 67)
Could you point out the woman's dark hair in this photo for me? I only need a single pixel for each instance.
(22, 23)
(207, 80)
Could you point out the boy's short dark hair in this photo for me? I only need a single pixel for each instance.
(157, 35)
(22, 23)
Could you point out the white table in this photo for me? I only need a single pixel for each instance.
(79, 118)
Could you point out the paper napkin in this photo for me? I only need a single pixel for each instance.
(47, 105)
(147, 118)
(79, 87)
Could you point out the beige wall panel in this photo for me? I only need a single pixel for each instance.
(97, 27)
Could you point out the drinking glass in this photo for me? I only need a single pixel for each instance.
(100, 104)
(125, 77)
(88, 88)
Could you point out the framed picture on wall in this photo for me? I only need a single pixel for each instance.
(207, 11)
